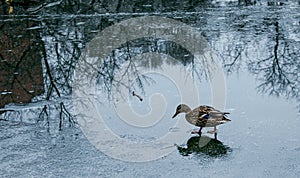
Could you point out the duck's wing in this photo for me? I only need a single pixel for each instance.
(206, 110)
(199, 112)
(211, 111)
(202, 115)
(208, 114)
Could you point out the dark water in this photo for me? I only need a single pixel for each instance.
(256, 45)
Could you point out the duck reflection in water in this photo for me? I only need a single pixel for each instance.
(204, 145)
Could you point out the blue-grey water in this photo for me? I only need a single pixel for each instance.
(256, 44)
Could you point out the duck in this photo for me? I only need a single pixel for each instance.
(203, 116)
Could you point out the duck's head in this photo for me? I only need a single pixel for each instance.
(181, 108)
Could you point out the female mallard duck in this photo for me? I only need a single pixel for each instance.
(203, 116)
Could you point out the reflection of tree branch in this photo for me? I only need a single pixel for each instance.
(112, 66)
(48, 72)
(64, 111)
(121, 66)
(230, 65)
(237, 51)
(58, 74)
(279, 71)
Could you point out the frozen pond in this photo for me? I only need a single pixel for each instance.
(67, 83)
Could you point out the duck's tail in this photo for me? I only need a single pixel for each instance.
(218, 114)
(225, 119)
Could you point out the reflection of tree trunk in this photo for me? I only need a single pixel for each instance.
(276, 48)
(119, 5)
(52, 81)
(21, 76)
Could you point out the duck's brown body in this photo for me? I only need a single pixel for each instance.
(202, 116)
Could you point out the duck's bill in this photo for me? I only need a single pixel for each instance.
(175, 115)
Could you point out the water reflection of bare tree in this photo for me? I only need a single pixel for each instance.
(54, 44)
(280, 70)
(61, 47)
(60, 52)
(24, 80)
(123, 60)
(233, 55)
(268, 52)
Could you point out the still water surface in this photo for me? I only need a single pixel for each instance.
(257, 47)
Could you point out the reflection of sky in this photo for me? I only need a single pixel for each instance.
(163, 87)
(160, 99)
(157, 96)
(262, 125)
(264, 131)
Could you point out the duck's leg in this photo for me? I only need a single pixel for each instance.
(197, 132)
(216, 136)
(213, 131)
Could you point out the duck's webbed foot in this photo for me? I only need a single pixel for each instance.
(197, 132)
(213, 131)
